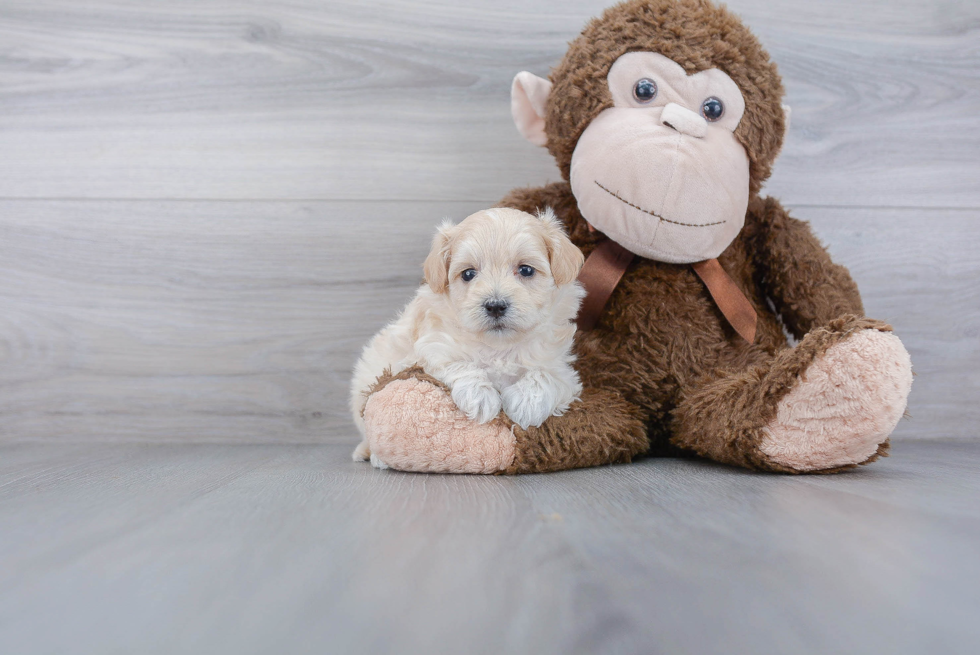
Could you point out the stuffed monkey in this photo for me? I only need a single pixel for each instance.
(665, 119)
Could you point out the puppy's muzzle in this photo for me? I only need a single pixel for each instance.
(496, 308)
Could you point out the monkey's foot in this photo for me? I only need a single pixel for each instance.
(412, 424)
(846, 403)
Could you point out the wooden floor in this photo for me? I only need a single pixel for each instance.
(126, 548)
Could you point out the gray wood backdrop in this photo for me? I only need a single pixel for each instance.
(207, 207)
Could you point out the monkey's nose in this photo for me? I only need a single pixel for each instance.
(496, 308)
(684, 120)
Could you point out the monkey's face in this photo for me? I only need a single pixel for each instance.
(661, 172)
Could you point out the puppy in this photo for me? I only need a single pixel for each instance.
(494, 321)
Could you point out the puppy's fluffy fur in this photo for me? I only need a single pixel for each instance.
(494, 321)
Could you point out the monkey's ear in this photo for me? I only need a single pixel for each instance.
(529, 105)
(436, 266)
(565, 258)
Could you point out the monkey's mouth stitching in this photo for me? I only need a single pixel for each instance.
(655, 215)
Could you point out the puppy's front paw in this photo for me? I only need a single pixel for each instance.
(528, 402)
(377, 463)
(476, 397)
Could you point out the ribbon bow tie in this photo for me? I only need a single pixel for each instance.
(605, 266)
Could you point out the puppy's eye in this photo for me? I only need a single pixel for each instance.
(468, 274)
(645, 90)
(525, 270)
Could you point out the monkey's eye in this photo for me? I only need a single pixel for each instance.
(645, 90)
(712, 109)
(525, 270)
(468, 274)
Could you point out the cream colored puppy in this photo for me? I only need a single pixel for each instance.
(494, 321)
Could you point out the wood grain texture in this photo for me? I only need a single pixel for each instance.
(296, 549)
(409, 100)
(240, 321)
(214, 321)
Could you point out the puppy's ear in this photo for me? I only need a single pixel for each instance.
(436, 266)
(564, 256)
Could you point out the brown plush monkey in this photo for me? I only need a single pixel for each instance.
(665, 118)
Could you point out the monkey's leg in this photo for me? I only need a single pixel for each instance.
(412, 424)
(828, 404)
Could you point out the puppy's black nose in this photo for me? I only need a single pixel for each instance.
(496, 308)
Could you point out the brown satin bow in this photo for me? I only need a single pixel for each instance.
(605, 266)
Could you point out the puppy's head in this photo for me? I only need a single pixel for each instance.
(502, 269)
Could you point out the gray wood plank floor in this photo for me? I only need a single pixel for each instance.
(295, 549)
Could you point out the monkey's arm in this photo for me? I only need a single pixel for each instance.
(796, 272)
